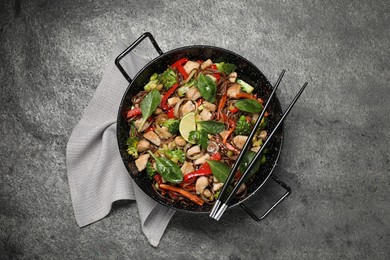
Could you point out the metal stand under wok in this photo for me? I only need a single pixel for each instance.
(160, 52)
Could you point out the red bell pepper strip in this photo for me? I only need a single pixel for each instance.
(203, 170)
(179, 66)
(183, 192)
(164, 103)
(216, 75)
(150, 128)
(171, 113)
(158, 178)
(216, 157)
(234, 110)
(133, 112)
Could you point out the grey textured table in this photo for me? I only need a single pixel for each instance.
(335, 155)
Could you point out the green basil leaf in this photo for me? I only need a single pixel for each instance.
(149, 104)
(199, 137)
(169, 170)
(207, 88)
(212, 127)
(220, 170)
(246, 160)
(249, 105)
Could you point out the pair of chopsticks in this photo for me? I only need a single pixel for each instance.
(225, 199)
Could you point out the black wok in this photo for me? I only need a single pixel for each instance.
(246, 71)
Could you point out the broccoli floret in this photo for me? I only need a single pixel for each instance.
(176, 155)
(132, 143)
(245, 86)
(226, 68)
(168, 78)
(242, 127)
(172, 125)
(150, 170)
(152, 83)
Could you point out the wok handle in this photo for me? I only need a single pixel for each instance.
(131, 47)
(254, 216)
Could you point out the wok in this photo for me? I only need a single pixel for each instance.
(246, 71)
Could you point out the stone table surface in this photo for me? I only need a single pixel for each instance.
(335, 155)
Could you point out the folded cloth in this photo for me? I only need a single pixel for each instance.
(96, 174)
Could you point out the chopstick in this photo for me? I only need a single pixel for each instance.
(224, 206)
(241, 155)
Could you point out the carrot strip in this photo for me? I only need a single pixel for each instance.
(183, 192)
(222, 103)
(228, 134)
(245, 95)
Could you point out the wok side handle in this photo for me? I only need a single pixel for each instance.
(131, 47)
(254, 216)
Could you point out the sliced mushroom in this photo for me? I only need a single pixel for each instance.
(143, 145)
(239, 141)
(187, 108)
(141, 162)
(191, 65)
(263, 135)
(233, 90)
(138, 122)
(206, 64)
(193, 93)
(233, 77)
(180, 141)
(153, 137)
(241, 189)
(193, 150)
(201, 183)
(187, 168)
(205, 115)
(202, 159)
(158, 111)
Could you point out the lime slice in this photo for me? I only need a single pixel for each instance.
(187, 124)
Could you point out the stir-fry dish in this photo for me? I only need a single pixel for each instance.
(188, 126)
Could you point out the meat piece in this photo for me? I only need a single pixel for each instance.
(233, 77)
(205, 115)
(180, 141)
(187, 168)
(263, 135)
(193, 150)
(233, 90)
(201, 183)
(193, 93)
(141, 162)
(138, 122)
(206, 64)
(210, 106)
(191, 65)
(187, 108)
(217, 186)
(163, 132)
(202, 159)
(255, 149)
(239, 141)
(173, 101)
(153, 137)
(143, 145)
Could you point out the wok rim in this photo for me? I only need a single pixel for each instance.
(120, 117)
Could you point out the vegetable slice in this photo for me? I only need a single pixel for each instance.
(148, 105)
(207, 88)
(212, 127)
(183, 192)
(249, 105)
(219, 169)
(169, 170)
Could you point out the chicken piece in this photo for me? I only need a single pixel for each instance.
(217, 186)
(153, 137)
(158, 111)
(191, 65)
(193, 150)
(138, 122)
(180, 141)
(201, 183)
(193, 93)
(202, 159)
(233, 90)
(206, 64)
(141, 162)
(187, 108)
(205, 115)
(210, 106)
(163, 132)
(255, 149)
(143, 145)
(233, 77)
(173, 101)
(239, 141)
(187, 168)
(207, 193)
(263, 135)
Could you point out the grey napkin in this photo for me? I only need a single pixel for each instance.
(96, 174)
